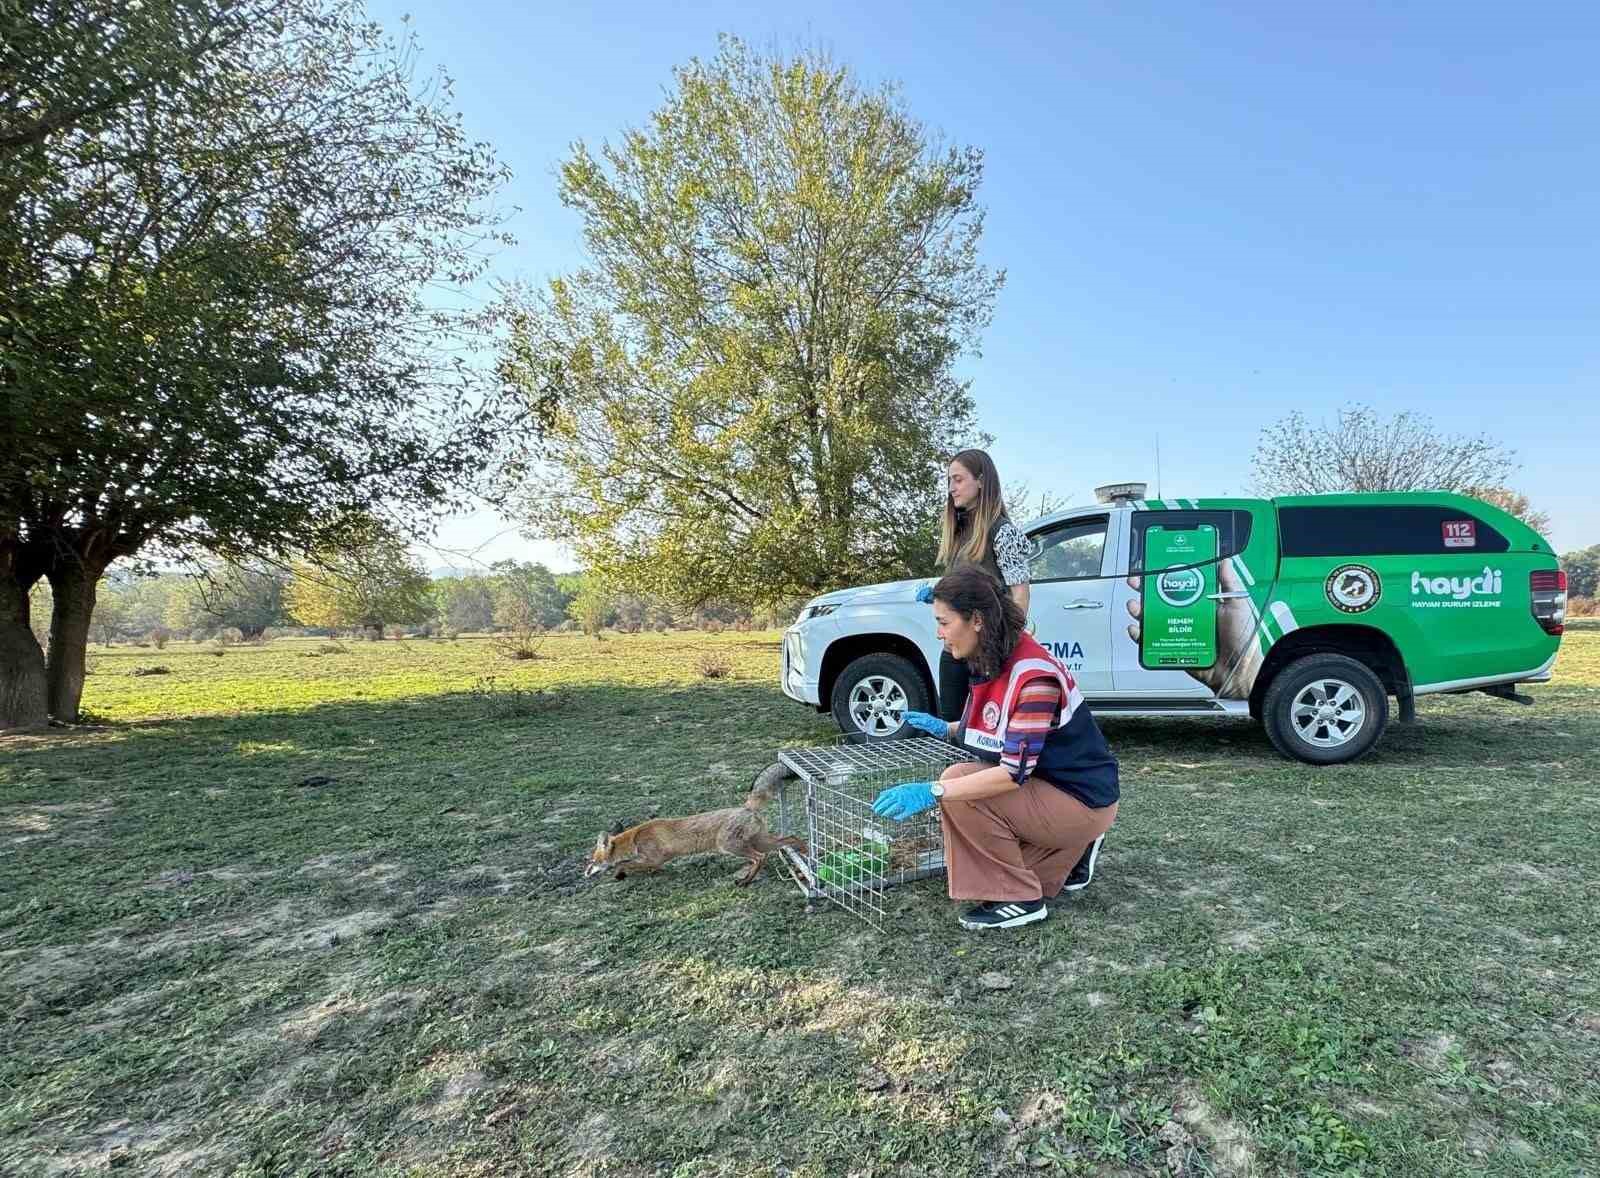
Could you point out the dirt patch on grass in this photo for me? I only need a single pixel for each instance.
(127, 1147)
(592, 1141)
(1229, 1145)
(328, 935)
(281, 929)
(38, 820)
(1430, 1052)
(360, 1018)
(487, 879)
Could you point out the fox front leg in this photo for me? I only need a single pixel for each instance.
(745, 877)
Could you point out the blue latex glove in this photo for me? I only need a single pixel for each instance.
(925, 594)
(923, 722)
(904, 801)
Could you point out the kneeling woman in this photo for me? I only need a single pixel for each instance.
(1043, 786)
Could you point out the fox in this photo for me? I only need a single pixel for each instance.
(740, 831)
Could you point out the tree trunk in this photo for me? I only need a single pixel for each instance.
(22, 670)
(73, 585)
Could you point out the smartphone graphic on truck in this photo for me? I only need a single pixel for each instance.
(1179, 610)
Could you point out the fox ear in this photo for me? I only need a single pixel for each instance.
(617, 827)
(603, 844)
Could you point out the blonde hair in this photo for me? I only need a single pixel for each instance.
(969, 544)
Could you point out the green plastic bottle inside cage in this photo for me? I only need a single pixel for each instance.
(854, 866)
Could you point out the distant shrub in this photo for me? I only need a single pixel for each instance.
(712, 626)
(520, 642)
(1583, 607)
(161, 636)
(230, 636)
(505, 701)
(332, 648)
(715, 666)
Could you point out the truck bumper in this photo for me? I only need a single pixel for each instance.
(799, 676)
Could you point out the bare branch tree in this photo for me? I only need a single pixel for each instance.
(1363, 451)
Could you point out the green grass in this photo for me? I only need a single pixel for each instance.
(210, 968)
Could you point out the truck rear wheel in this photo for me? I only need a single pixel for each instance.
(873, 692)
(1325, 709)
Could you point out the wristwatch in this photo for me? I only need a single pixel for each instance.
(937, 789)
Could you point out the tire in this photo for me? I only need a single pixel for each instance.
(1294, 709)
(873, 692)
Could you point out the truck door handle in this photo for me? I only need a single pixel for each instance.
(1082, 603)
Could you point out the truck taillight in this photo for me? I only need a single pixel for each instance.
(1549, 589)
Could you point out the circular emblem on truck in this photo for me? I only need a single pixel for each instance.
(1180, 587)
(1353, 588)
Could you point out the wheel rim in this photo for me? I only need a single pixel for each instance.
(877, 705)
(1328, 713)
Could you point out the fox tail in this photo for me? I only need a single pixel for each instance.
(765, 786)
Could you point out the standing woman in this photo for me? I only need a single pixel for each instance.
(977, 533)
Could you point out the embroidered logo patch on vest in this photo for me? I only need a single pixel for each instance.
(991, 715)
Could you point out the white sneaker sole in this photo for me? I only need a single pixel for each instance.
(1094, 854)
(1021, 918)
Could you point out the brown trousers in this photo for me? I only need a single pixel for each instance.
(1019, 845)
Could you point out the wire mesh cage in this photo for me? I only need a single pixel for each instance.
(852, 855)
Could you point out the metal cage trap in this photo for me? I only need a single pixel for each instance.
(852, 855)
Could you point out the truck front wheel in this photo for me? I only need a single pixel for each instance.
(874, 691)
(1325, 709)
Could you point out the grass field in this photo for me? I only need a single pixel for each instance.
(209, 964)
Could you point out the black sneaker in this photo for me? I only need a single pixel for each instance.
(1004, 914)
(1084, 871)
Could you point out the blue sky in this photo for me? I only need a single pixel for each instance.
(1210, 214)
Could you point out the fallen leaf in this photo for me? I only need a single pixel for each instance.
(500, 1114)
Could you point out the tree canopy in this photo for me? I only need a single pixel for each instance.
(1364, 451)
(370, 581)
(225, 228)
(755, 372)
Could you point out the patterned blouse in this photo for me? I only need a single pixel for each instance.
(1011, 553)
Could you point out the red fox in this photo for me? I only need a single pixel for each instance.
(738, 830)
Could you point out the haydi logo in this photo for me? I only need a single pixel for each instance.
(1457, 589)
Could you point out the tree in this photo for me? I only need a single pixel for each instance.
(527, 596)
(591, 609)
(109, 617)
(1365, 452)
(1583, 571)
(248, 596)
(224, 230)
(370, 582)
(466, 603)
(755, 374)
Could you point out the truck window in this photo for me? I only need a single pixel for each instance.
(1408, 530)
(1070, 551)
(1233, 530)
